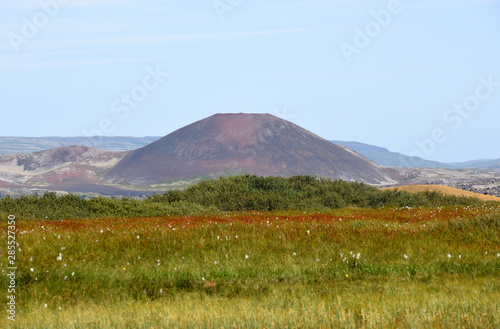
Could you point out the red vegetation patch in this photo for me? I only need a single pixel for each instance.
(145, 224)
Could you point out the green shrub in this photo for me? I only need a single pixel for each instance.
(237, 193)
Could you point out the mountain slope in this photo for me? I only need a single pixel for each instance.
(260, 144)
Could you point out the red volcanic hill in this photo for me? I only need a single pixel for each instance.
(260, 144)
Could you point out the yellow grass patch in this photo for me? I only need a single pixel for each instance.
(443, 189)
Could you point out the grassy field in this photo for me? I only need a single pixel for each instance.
(348, 268)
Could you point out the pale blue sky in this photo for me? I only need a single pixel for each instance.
(82, 66)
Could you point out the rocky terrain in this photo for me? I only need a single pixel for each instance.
(71, 168)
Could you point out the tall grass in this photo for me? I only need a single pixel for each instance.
(447, 303)
(391, 267)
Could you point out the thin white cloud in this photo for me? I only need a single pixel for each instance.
(34, 4)
(99, 3)
(367, 75)
(8, 63)
(42, 57)
(19, 5)
(61, 43)
(200, 36)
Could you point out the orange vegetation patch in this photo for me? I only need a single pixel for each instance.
(443, 189)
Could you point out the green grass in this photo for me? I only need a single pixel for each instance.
(373, 268)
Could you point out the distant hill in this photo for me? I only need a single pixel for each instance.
(15, 145)
(260, 144)
(385, 157)
(69, 168)
(478, 164)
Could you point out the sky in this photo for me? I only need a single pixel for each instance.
(419, 77)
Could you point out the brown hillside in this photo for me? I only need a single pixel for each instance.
(443, 189)
(260, 144)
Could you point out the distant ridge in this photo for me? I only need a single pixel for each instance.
(478, 164)
(259, 144)
(384, 157)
